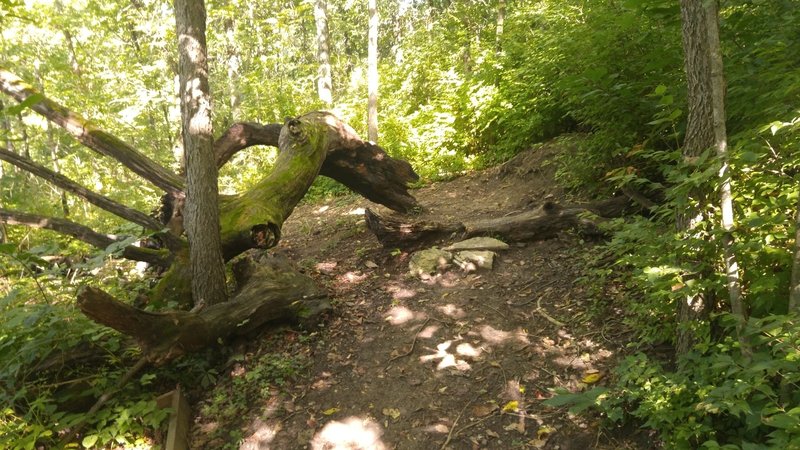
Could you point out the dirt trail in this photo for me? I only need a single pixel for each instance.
(410, 364)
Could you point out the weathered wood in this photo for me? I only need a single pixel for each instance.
(179, 422)
(362, 166)
(241, 135)
(541, 223)
(270, 291)
(94, 198)
(90, 135)
(160, 258)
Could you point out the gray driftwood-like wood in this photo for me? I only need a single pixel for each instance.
(541, 223)
(270, 291)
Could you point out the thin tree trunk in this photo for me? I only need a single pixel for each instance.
(501, 19)
(202, 210)
(794, 294)
(726, 198)
(233, 67)
(372, 72)
(324, 81)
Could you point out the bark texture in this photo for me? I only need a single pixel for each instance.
(372, 72)
(89, 135)
(271, 291)
(541, 223)
(160, 258)
(202, 211)
(324, 81)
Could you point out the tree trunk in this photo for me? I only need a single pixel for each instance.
(324, 82)
(705, 130)
(372, 72)
(501, 19)
(694, 309)
(726, 198)
(794, 294)
(202, 212)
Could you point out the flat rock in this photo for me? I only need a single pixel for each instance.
(479, 243)
(430, 261)
(472, 260)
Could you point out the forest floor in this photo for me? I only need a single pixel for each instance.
(457, 361)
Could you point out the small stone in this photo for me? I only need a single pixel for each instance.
(479, 243)
(430, 261)
(473, 260)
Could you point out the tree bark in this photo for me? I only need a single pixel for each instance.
(372, 72)
(202, 212)
(794, 294)
(65, 183)
(361, 166)
(270, 291)
(160, 258)
(541, 223)
(726, 197)
(694, 309)
(89, 135)
(705, 130)
(324, 81)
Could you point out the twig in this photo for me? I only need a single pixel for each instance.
(455, 422)
(542, 312)
(413, 343)
(107, 395)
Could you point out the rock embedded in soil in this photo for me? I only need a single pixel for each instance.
(479, 243)
(472, 260)
(430, 261)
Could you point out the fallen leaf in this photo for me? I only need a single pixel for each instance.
(516, 426)
(483, 410)
(491, 433)
(371, 265)
(511, 406)
(330, 411)
(391, 412)
(592, 376)
(544, 432)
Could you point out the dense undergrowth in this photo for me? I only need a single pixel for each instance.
(456, 96)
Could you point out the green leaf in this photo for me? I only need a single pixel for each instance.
(89, 440)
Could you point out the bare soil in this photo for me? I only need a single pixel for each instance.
(458, 361)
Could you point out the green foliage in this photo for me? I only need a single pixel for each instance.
(254, 379)
(715, 399)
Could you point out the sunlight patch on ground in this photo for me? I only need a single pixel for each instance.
(452, 310)
(322, 209)
(401, 292)
(356, 212)
(447, 359)
(263, 435)
(429, 331)
(399, 315)
(352, 433)
(493, 335)
(352, 277)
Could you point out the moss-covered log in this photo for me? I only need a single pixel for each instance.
(271, 290)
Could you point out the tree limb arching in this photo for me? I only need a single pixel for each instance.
(362, 166)
(89, 135)
(161, 258)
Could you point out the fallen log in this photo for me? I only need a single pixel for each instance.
(541, 223)
(269, 291)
